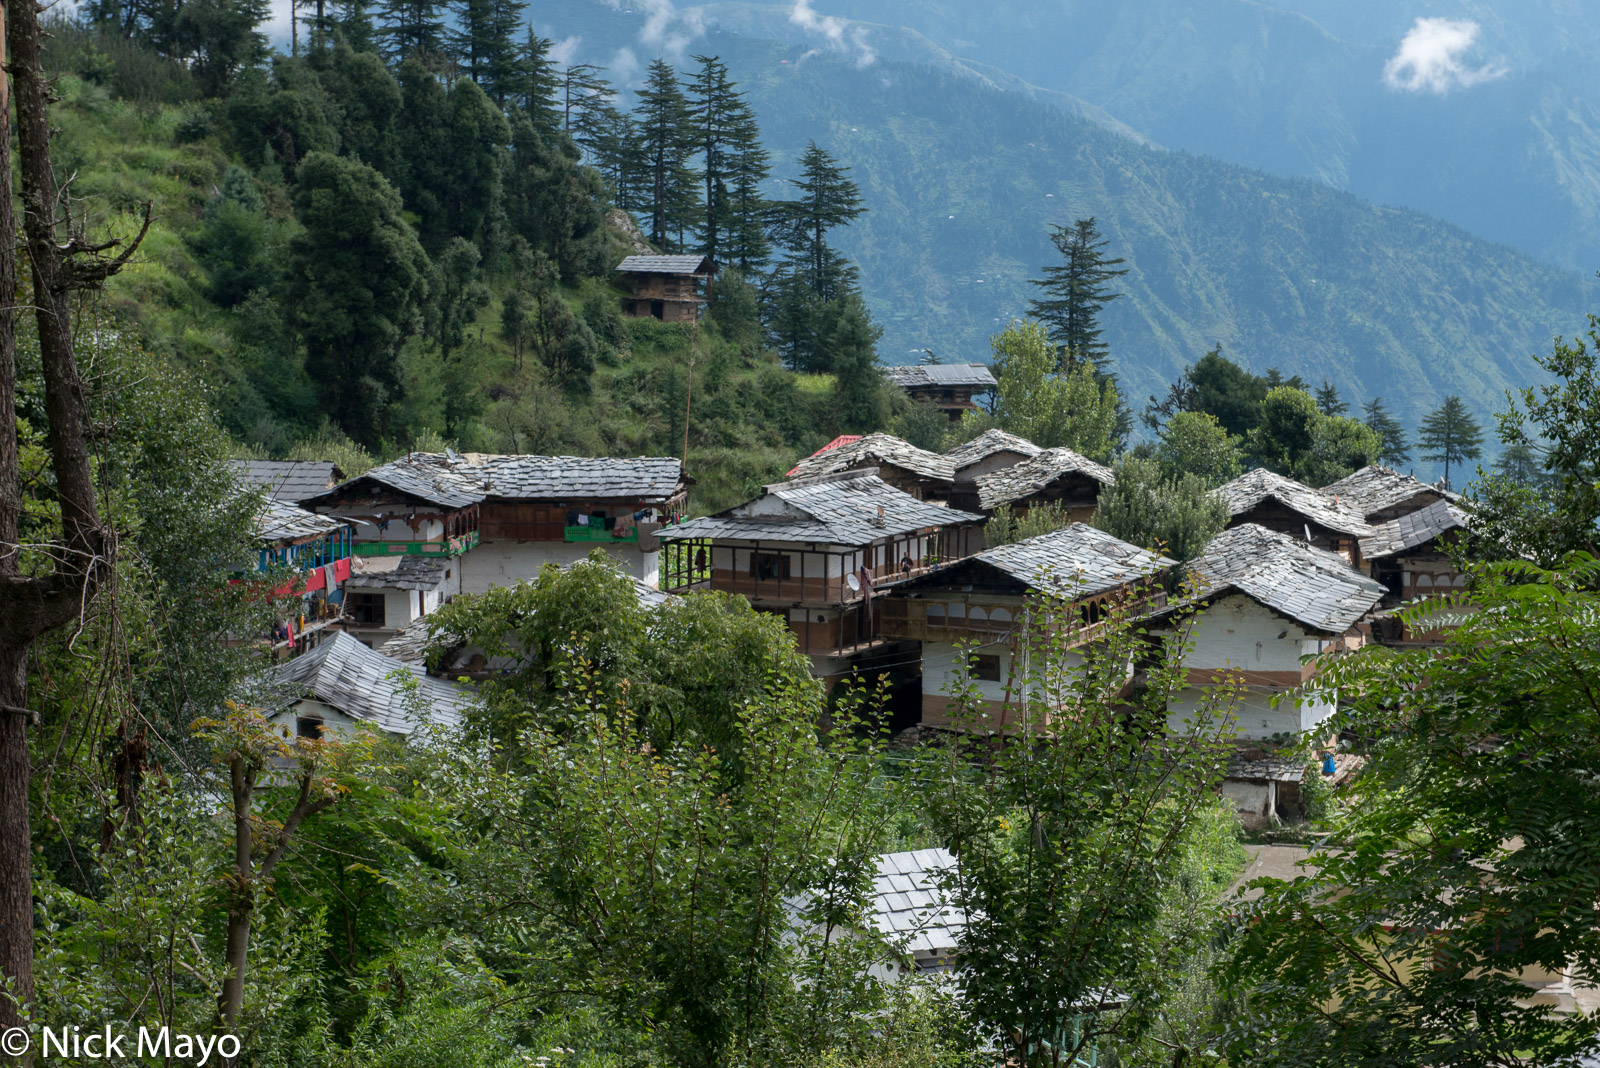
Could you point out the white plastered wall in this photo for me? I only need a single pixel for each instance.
(504, 563)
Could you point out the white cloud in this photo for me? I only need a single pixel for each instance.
(667, 31)
(840, 35)
(1432, 58)
(565, 51)
(624, 68)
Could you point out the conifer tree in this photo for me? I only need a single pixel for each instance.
(828, 199)
(725, 127)
(851, 337)
(1449, 435)
(1328, 402)
(1396, 446)
(485, 44)
(411, 28)
(534, 83)
(584, 96)
(666, 135)
(1075, 291)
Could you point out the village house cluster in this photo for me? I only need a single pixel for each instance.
(872, 553)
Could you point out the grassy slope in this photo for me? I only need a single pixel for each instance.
(750, 418)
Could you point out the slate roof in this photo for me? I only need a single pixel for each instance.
(987, 444)
(363, 684)
(1312, 586)
(842, 439)
(842, 511)
(1076, 560)
(664, 265)
(875, 449)
(1412, 530)
(280, 521)
(1375, 488)
(455, 481)
(286, 480)
(1031, 476)
(1253, 487)
(396, 573)
(910, 907)
(940, 375)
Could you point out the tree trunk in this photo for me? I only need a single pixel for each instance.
(241, 903)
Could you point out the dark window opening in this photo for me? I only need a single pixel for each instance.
(658, 309)
(769, 565)
(986, 667)
(364, 609)
(306, 727)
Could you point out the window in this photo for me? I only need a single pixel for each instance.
(364, 609)
(306, 727)
(986, 668)
(766, 566)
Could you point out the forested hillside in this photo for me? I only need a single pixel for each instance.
(363, 256)
(963, 179)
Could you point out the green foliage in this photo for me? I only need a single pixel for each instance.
(923, 424)
(1076, 290)
(1449, 435)
(1464, 858)
(1554, 429)
(359, 278)
(1032, 400)
(1092, 787)
(1396, 446)
(1196, 443)
(860, 390)
(1004, 527)
(1343, 445)
(1176, 515)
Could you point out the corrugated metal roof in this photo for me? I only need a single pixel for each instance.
(1023, 480)
(940, 375)
(281, 521)
(986, 445)
(286, 480)
(910, 907)
(455, 481)
(1412, 530)
(1376, 488)
(365, 685)
(1253, 487)
(874, 450)
(665, 265)
(1076, 561)
(845, 511)
(1313, 586)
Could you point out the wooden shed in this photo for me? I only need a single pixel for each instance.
(666, 287)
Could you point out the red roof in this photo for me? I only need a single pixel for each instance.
(841, 440)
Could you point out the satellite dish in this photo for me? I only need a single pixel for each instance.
(855, 583)
(450, 454)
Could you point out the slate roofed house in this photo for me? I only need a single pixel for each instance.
(1409, 556)
(993, 450)
(1269, 600)
(983, 603)
(665, 287)
(1054, 476)
(949, 386)
(289, 481)
(316, 549)
(914, 913)
(841, 440)
(342, 683)
(819, 553)
(923, 474)
(1289, 507)
(1381, 493)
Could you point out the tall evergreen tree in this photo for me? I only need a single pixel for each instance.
(484, 42)
(584, 96)
(746, 244)
(861, 394)
(424, 170)
(1396, 446)
(666, 134)
(828, 199)
(1328, 402)
(616, 150)
(1076, 290)
(534, 83)
(1449, 435)
(472, 198)
(411, 28)
(725, 127)
(358, 278)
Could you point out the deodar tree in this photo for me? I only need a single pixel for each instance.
(44, 584)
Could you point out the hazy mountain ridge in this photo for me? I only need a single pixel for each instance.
(1282, 272)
